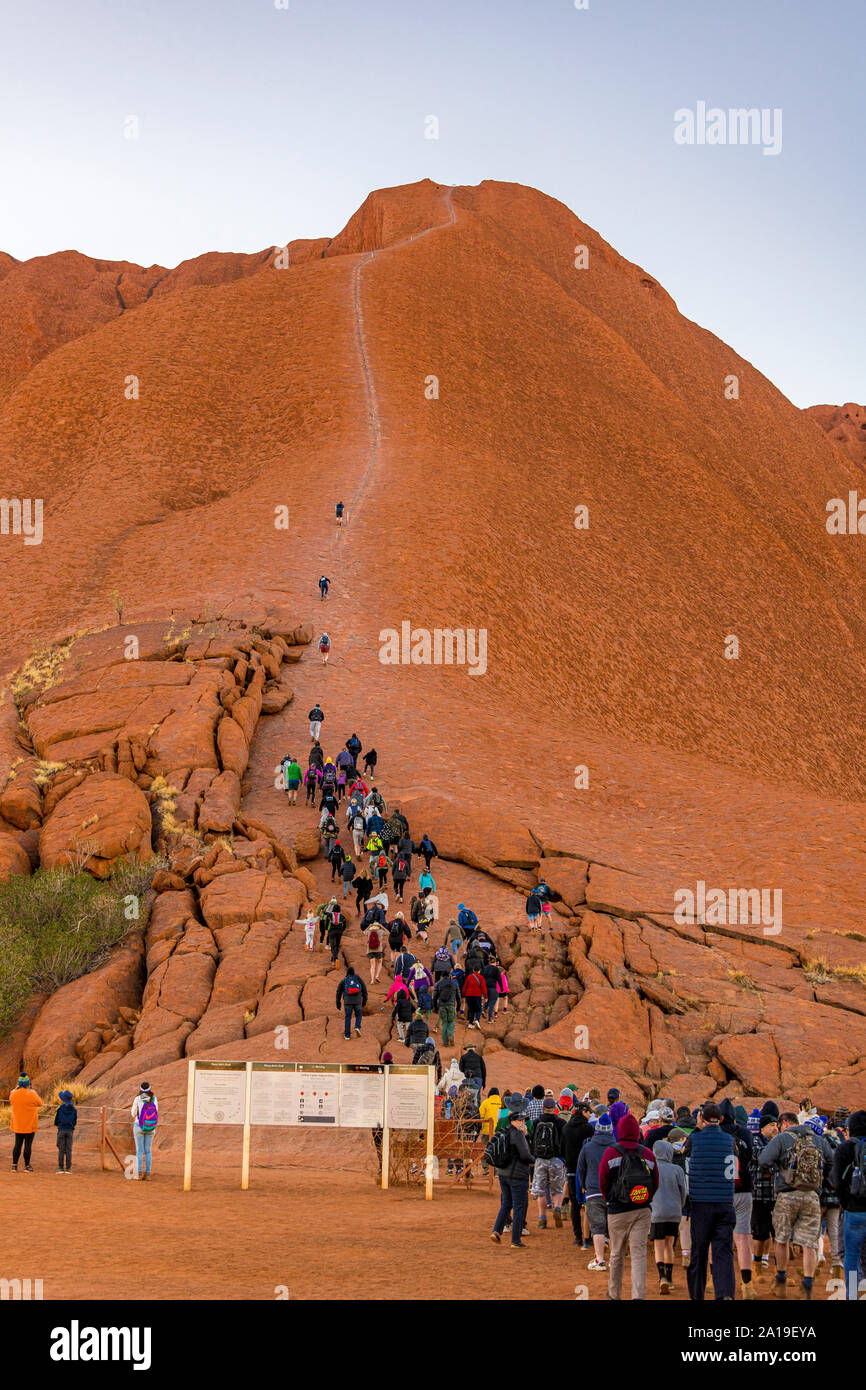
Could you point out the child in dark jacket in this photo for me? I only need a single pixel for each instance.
(65, 1120)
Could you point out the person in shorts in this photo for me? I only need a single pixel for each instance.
(375, 934)
(797, 1213)
(666, 1211)
(548, 1174)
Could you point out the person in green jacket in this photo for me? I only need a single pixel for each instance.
(292, 778)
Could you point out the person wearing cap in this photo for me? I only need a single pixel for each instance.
(514, 1181)
(712, 1165)
(763, 1197)
(577, 1132)
(65, 1120)
(25, 1105)
(143, 1137)
(588, 1163)
(548, 1174)
(664, 1123)
(849, 1180)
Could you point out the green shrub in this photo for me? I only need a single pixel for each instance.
(56, 924)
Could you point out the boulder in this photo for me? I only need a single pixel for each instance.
(476, 837)
(307, 843)
(252, 895)
(14, 858)
(753, 1059)
(21, 803)
(607, 1026)
(567, 877)
(221, 804)
(233, 748)
(107, 815)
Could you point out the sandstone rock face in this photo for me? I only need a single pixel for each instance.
(14, 859)
(477, 839)
(104, 819)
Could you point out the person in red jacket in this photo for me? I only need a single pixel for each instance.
(474, 991)
(628, 1176)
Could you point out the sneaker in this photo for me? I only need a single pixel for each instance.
(358, 1031)
(14, 1167)
(518, 1245)
(60, 1170)
(837, 1272)
(749, 1291)
(494, 1235)
(781, 1289)
(597, 1264)
(557, 1218)
(587, 1244)
(686, 1257)
(542, 1223)
(28, 1168)
(664, 1286)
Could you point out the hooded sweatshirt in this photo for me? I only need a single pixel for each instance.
(628, 1138)
(670, 1196)
(617, 1110)
(590, 1157)
(846, 1156)
(577, 1132)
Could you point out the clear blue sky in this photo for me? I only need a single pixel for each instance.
(259, 124)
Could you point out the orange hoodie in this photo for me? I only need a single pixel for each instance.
(26, 1105)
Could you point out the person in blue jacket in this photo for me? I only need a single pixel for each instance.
(65, 1120)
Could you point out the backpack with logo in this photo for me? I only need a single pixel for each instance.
(382, 861)
(804, 1166)
(373, 941)
(401, 868)
(857, 1183)
(329, 776)
(499, 1153)
(544, 1139)
(632, 1186)
(148, 1117)
(442, 956)
(353, 986)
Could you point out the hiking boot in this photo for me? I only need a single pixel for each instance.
(542, 1223)
(837, 1271)
(557, 1218)
(596, 1264)
(780, 1289)
(494, 1235)
(749, 1291)
(807, 1292)
(664, 1286)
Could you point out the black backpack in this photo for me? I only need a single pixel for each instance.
(857, 1184)
(447, 991)
(545, 1140)
(632, 1185)
(498, 1152)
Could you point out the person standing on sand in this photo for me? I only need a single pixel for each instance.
(514, 1183)
(65, 1120)
(145, 1117)
(324, 648)
(25, 1105)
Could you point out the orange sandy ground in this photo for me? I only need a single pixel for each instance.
(316, 1235)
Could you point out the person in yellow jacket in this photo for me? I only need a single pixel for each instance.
(489, 1111)
(26, 1105)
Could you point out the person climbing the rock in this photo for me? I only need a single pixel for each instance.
(292, 778)
(317, 756)
(404, 1006)
(309, 925)
(329, 831)
(382, 868)
(324, 585)
(329, 781)
(363, 886)
(371, 757)
(352, 994)
(428, 850)
(323, 913)
(399, 874)
(312, 778)
(335, 859)
(25, 1105)
(446, 1002)
(340, 510)
(375, 934)
(427, 881)
(145, 1117)
(353, 746)
(454, 937)
(466, 919)
(545, 898)
(348, 869)
(336, 929)
(418, 914)
(474, 992)
(356, 825)
(533, 911)
(324, 648)
(398, 933)
(317, 719)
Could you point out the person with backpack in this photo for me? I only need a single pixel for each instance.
(324, 585)
(418, 915)
(323, 913)
(466, 919)
(329, 830)
(548, 1173)
(353, 747)
(454, 937)
(324, 648)
(628, 1176)
(312, 778)
(403, 964)
(340, 510)
(335, 859)
(382, 868)
(336, 928)
(398, 933)
(666, 1212)
(65, 1120)
(145, 1117)
(742, 1193)
(356, 825)
(428, 850)
(403, 1010)
(421, 982)
(417, 1032)
(446, 1001)
(473, 1068)
(348, 868)
(831, 1211)
(490, 973)
(352, 994)
(371, 757)
(317, 719)
(376, 950)
(426, 1055)
(578, 1131)
(799, 1157)
(25, 1105)
(292, 777)
(442, 962)
(595, 1206)
(533, 910)
(474, 992)
(711, 1155)
(849, 1182)
(511, 1158)
(329, 777)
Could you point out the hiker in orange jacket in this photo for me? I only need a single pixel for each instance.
(26, 1105)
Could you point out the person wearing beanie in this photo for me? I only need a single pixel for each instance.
(629, 1177)
(797, 1210)
(849, 1180)
(25, 1106)
(65, 1120)
(770, 1108)
(711, 1151)
(577, 1132)
(595, 1207)
(514, 1181)
(667, 1212)
(753, 1122)
(617, 1111)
